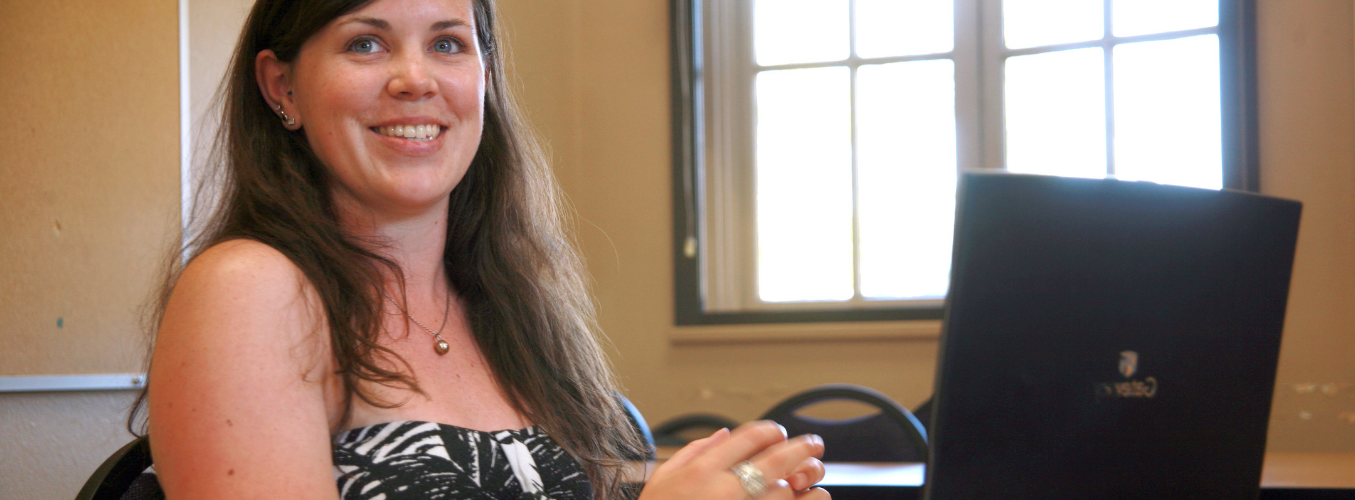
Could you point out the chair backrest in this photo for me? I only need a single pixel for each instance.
(120, 476)
(670, 433)
(923, 412)
(892, 435)
(641, 427)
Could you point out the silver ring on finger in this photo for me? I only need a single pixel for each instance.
(751, 478)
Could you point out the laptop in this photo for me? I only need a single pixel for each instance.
(1108, 339)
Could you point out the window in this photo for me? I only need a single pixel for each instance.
(818, 141)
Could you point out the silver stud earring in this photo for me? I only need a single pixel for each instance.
(285, 119)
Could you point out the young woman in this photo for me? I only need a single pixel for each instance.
(384, 303)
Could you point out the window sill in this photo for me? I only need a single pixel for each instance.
(805, 332)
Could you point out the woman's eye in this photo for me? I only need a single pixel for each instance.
(363, 46)
(445, 46)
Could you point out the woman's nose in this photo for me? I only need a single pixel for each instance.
(411, 79)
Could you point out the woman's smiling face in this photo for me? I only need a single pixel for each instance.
(391, 99)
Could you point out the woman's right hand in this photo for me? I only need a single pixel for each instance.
(703, 468)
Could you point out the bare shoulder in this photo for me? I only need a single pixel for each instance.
(237, 385)
(245, 264)
(247, 281)
(245, 299)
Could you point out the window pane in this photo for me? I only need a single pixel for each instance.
(1055, 113)
(804, 185)
(1167, 112)
(1142, 17)
(904, 27)
(906, 168)
(1032, 23)
(800, 31)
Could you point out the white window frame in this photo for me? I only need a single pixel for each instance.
(715, 216)
(729, 225)
(995, 54)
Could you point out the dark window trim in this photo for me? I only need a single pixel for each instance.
(1237, 54)
(1237, 63)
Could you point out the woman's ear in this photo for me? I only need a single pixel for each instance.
(274, 81)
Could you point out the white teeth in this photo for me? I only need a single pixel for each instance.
(411, 132)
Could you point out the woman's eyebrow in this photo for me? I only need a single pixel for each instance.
(442, 25)
(380, 24)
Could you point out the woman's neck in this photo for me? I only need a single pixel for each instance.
(415, 241)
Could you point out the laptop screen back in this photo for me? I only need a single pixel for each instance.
(1108, 339)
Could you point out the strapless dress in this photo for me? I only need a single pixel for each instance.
(426, 460)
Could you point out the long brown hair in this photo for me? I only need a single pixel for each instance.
(508, 254)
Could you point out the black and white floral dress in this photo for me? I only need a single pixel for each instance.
(426, 460)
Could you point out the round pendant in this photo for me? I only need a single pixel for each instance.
(441, 347)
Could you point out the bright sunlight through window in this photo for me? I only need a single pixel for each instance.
(859, 119)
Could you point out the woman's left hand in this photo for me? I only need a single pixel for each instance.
(703, 469)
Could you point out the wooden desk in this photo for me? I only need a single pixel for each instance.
(1285, 475)
(1309, 470)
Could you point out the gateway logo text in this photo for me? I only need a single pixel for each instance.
(1129, 365)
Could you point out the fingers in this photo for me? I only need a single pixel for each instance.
(782, 491)
(744, 442)
(702, 469)
(808, 474)
(694, 448)
(785, 460)
(814, 494)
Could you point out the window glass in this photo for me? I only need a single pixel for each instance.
(1033, 23)
(1167, 112)
(804, 185)
(887, 28)
(1143, 17)
(833, 132)
(800, 31)
(1056, 113)
(906, 171)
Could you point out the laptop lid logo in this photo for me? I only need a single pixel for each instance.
(1129, 363)
(1133, 388)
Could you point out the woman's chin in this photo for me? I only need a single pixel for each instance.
(395, 203)
(417, 203)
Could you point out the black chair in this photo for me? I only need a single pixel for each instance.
(923, 412)
(641, 428)
(892, 435)
(122, 476)
(670, 433)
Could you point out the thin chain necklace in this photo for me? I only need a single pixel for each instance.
(440, 346)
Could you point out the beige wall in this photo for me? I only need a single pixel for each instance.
(89, 199)
(91, 140)
(1307, 108)
(89, 171)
